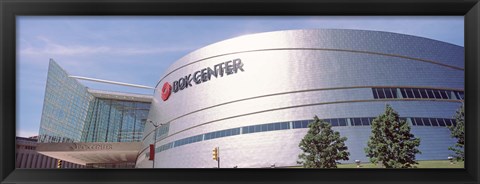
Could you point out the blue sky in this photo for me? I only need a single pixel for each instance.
(138, 49)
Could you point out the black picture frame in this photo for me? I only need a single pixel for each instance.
(9, 9)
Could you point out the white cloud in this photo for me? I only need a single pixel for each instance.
(52, 48)
(24, 133)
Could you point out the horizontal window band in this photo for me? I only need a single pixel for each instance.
(311, 49)
(305, 105)
(414, 93)
(298, 124)
(309, 90)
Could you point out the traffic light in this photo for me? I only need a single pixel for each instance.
(215, 153)
(59, 163)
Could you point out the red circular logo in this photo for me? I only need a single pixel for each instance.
(166, 90)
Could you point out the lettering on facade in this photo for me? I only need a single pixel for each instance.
(201, 76)
(92, 147)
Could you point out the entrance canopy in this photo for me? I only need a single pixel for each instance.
(92, 152)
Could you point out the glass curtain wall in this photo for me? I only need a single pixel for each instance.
(65, 107)
(115, 121)
(72, 114)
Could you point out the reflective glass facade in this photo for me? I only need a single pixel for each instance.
(65, 107)
(72, 113)
(115, 121)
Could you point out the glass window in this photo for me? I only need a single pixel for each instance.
(454, 122)
(365, 121)
(251, 129)
(277, 126)
(404, 93)
(423, 93)
(258, 128)
(413, 122)
(440, 122)
(218, 134)
(334, 122)
(264, 127)
(433, 121)
(418, 121)
(357, 122)
(430, 93)
(304, 123)
(285, 125)
(381, 94)
(426, 122)
(271, 127)
(461, 94)
(388, 93)
(245, 130)
(437, 95)
(409, 92)
(416, 93)
(441, 95)
(448, 122)
(342, 122)
(297, 124)
(456, 94)
(394, 92)
(228, 132)
(444, 94)
(374, 91)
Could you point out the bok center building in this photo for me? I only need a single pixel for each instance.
(253, 96)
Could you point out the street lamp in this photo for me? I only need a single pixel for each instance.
(358, 163)
(154, 139)
(451, 159)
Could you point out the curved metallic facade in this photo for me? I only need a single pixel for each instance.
(255, 116)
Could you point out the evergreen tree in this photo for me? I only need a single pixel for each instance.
(322, 146)
(391, 142)
(458, 131)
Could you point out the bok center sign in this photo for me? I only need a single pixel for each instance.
(201, 76)
(88, 147)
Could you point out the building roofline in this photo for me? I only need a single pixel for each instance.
(120, 95)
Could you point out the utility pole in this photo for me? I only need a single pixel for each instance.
(154, 139)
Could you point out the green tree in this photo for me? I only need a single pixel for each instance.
(391, 142)
(322, 146)
(458, 131)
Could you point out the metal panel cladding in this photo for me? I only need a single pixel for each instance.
(252, 96)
